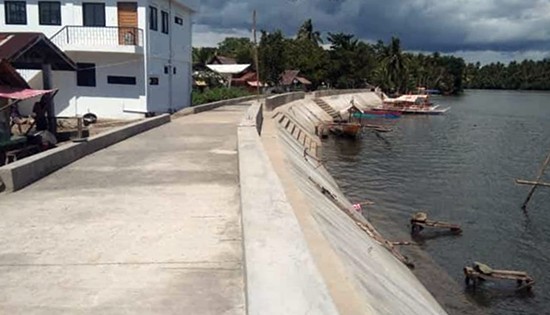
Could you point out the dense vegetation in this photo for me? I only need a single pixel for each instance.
(216, 94)
(526, 75)
(351, 63)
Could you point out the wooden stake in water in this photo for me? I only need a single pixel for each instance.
(535, 183)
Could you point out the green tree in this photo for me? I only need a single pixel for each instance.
(271, 55)
(306, 33)
(395, 65)
(308, 57)
(201, 56)
(240, 48)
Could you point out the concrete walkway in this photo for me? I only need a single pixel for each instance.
(150, 225)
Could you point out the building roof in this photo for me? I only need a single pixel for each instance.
(228, 69)
(256, 83)
(10, 77)
(222, 60)
(303, 80)
(249, 76)
(21, 94)
(31, 51)
(192, 5)
(288, 77)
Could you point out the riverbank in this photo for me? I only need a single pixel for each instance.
(460, 167)
(351, 262)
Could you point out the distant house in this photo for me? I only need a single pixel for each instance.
(228, 71)
(248, 80)
(222, 60)
(292, 81)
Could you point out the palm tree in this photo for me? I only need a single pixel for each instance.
(306, 33)
(395, 62)
(342, 41)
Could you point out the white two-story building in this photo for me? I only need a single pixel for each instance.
(133, 58)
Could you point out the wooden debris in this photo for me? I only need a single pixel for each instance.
(535, 184)
(479, 272)
(529, 182)
(420, 220)
(367, 203)
(367, 227)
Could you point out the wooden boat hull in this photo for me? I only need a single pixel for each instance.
(377, 114)
(414, 111)
(345, 129)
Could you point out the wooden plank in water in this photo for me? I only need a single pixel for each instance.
(532, 191)
(530, 182)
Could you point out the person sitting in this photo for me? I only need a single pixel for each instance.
(39, 114)
(17, 119)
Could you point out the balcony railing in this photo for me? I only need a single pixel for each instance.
(98, 36)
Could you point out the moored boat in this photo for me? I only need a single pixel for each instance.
(345, 129)
(419, 104)
(374, 114)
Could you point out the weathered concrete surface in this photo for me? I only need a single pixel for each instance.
(150, 225)
(282, 277)
(17, 175)
(381, 284)
(338, 278)
(275, 101)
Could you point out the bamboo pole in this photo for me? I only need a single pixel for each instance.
(532, 191)
(530, 182)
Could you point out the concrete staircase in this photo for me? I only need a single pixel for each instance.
(327, 108)
(310, 143)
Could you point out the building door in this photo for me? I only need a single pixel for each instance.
(127, 23)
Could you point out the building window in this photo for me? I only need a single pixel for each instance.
(154, 81)
(16, 12)
(111, 79)
(85, 74)
(49, 13)
(164, 22)
(166, 70)
(153, 19)
(178, 20)
(93, 14)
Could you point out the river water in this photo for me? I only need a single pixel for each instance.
(460, 168)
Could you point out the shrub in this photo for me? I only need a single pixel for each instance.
(217, 94)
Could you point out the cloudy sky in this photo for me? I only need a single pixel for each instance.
(478, 30)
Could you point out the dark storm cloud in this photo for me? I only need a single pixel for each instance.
(427, 25)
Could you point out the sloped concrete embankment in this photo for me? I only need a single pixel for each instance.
(281, 276)
(359, 274)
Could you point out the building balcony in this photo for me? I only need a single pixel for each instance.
(112, 39)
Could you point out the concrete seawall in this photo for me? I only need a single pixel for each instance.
(359, 274)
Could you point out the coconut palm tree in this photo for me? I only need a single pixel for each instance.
(306, 32)
(395, 62)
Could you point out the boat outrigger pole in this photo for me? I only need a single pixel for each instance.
(535, 183)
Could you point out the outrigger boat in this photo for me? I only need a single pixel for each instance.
(411, 104)
(375, 114)
(345, 129)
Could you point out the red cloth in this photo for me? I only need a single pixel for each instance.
(20, 94)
